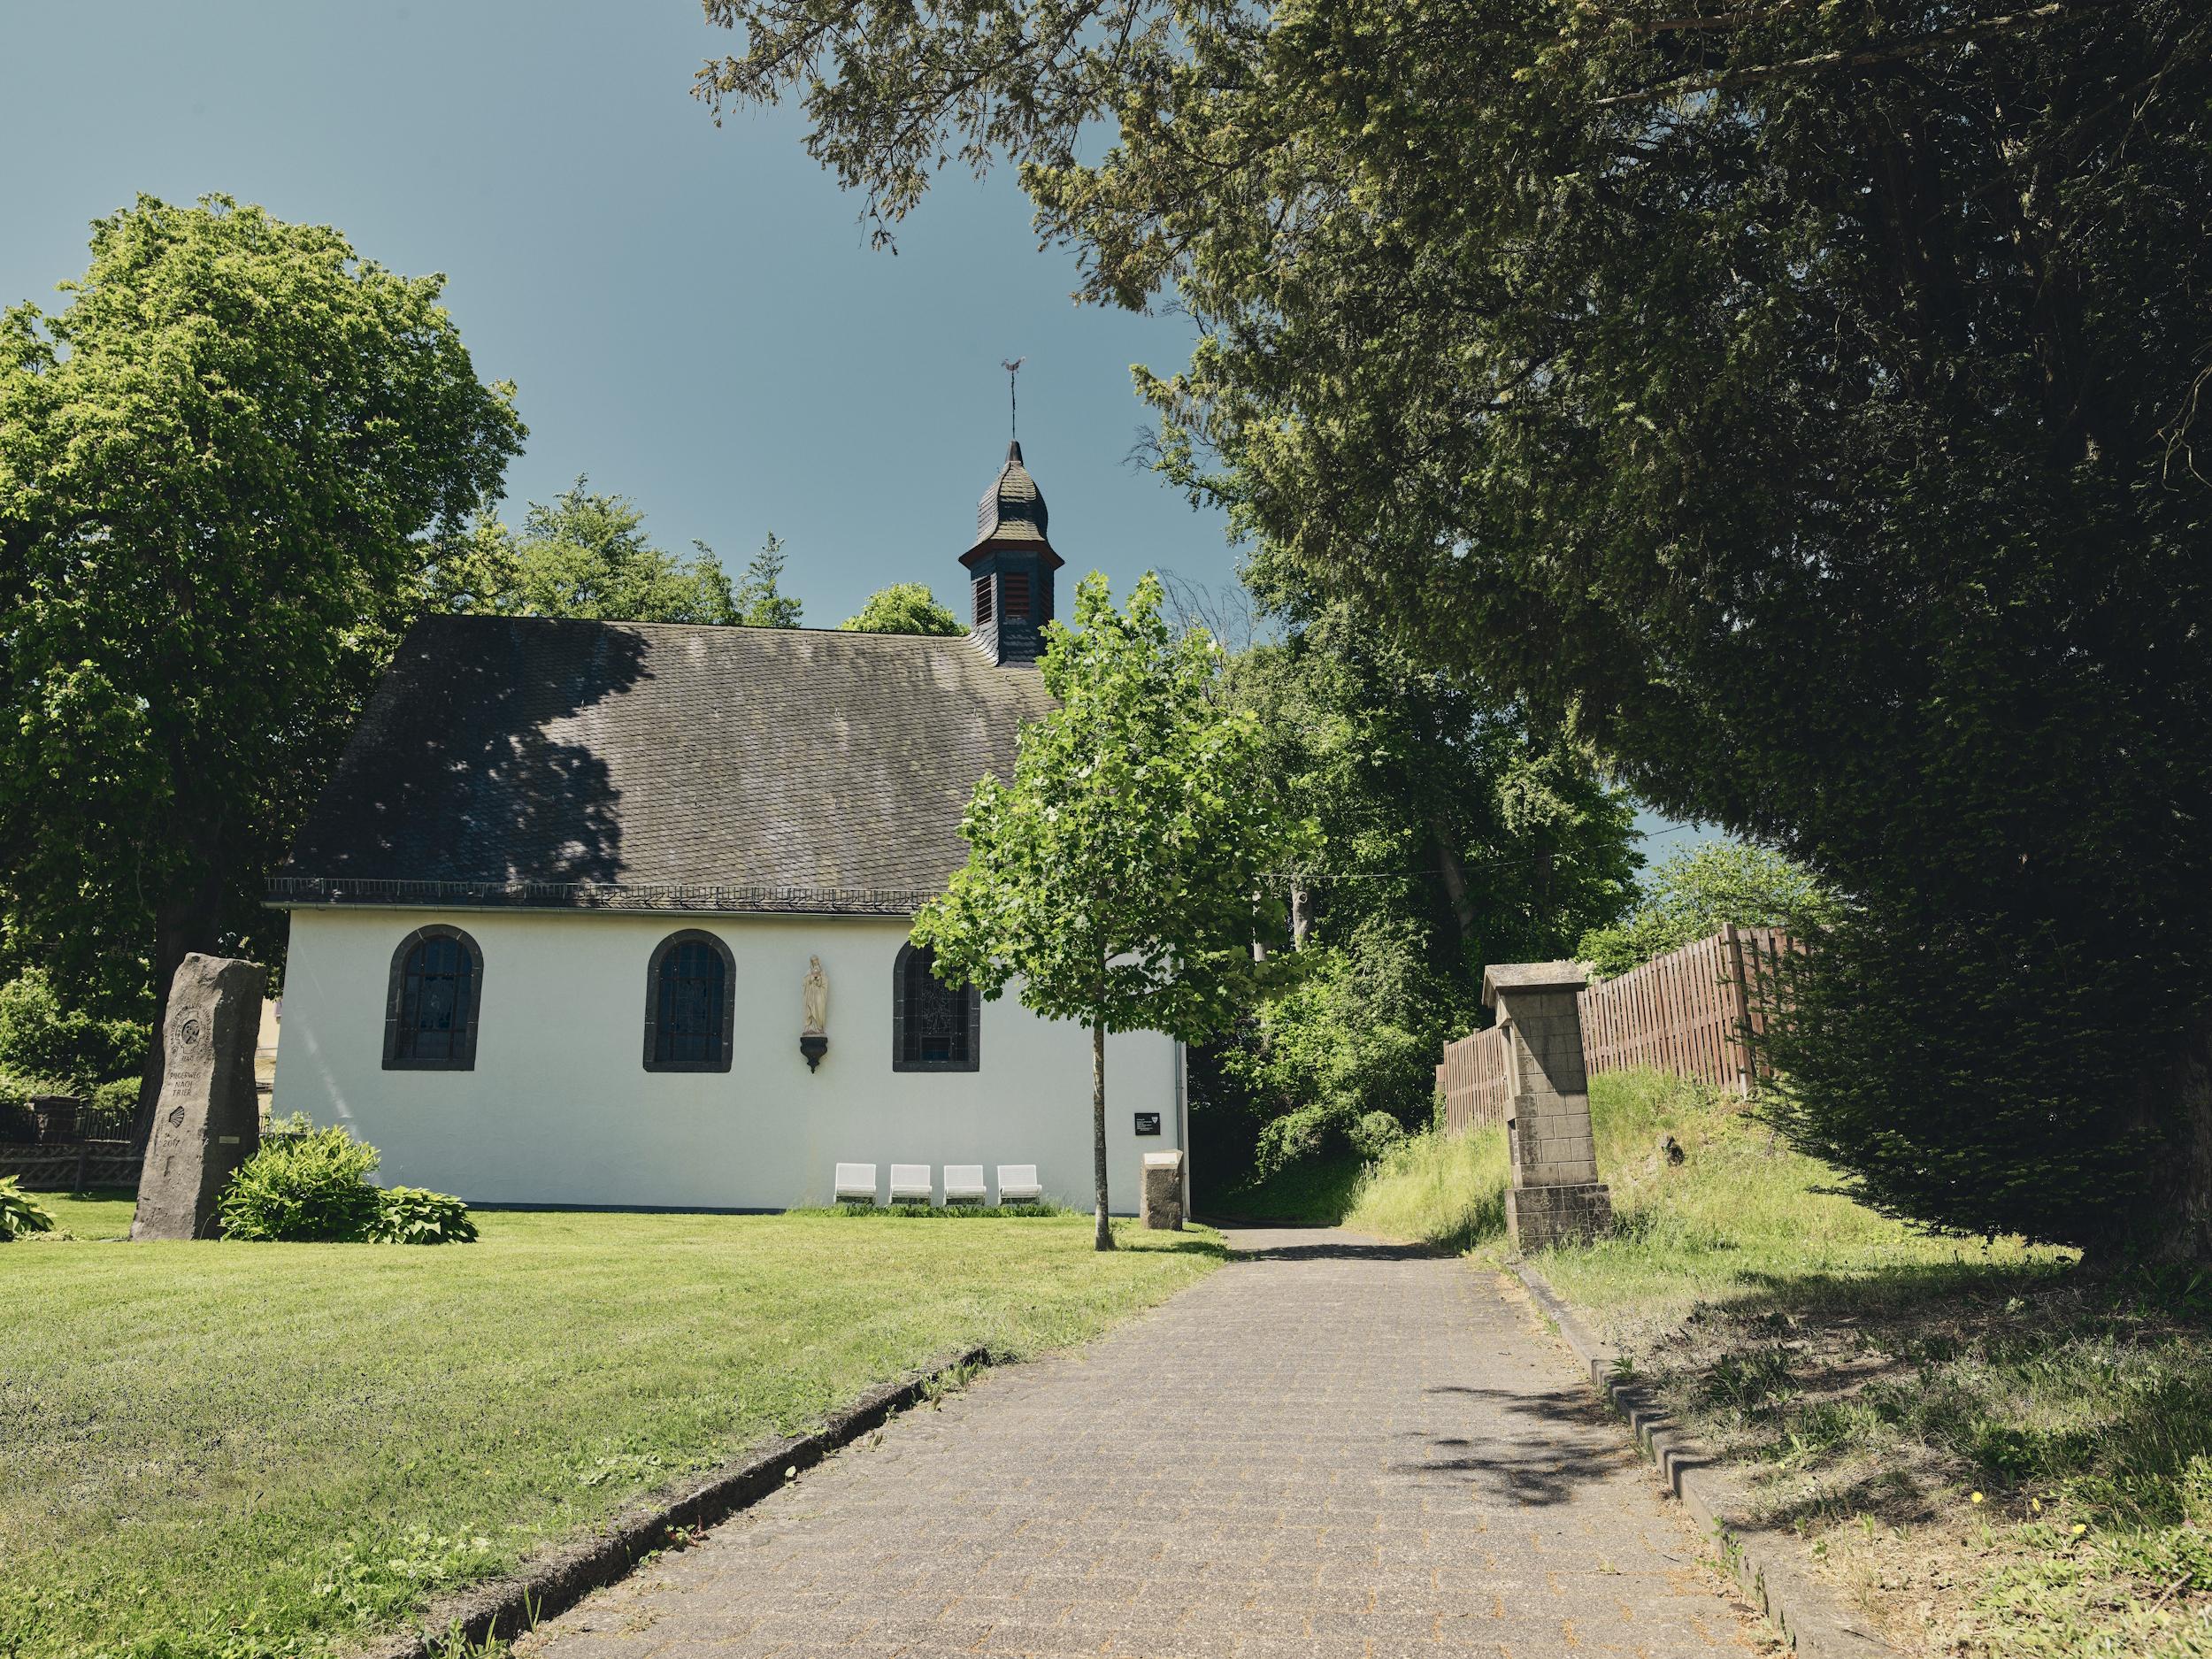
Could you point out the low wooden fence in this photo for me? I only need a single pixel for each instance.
(1697, 1012)
(1471, 1079)
(1691, 1011)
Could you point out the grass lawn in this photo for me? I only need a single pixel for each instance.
(1991, 1452)
(228, 1451)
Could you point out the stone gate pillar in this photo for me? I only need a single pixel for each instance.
(1555, 1195)
(208, 1119)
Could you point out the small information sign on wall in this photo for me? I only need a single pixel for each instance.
(1148, 1123)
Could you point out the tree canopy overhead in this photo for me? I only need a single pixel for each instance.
(1801, 402)
(222, 465)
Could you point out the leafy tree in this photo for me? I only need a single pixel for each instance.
(42, 1036)
(220, 465)
(1688, 896)
(903, 608)
(1801, 402)
(1118, 874)
(583, 555)
(759, 605)
(1453, 833)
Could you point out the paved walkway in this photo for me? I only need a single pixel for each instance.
(1336, 1447)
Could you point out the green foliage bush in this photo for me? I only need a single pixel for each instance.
(109, 1107)
(41, 1036)
(309, 1185)
(303, 1189)
(1376, 1134)
(409, 1215)
(1688, 896)
(16, 1121)
(19, 1212)
(1356, 1038)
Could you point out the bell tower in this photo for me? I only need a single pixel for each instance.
(1011, 567)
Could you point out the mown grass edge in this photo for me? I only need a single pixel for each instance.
(1767, 1564)
(508, 1606)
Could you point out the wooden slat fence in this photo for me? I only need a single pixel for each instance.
(1685, 1012)
(1471, 1079)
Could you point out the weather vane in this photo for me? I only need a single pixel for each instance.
(1013, 411)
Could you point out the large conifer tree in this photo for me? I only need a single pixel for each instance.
(1805, 402)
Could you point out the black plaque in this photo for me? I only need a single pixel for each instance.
(1148, 1123)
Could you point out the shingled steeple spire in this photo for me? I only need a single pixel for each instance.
(1011, 566)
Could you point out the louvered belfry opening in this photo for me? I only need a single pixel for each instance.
(1011, 565)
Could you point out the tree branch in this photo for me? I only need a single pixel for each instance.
(1864, 58)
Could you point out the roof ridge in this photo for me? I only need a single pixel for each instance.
(691, 627)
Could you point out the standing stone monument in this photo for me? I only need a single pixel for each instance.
(208, 1120)
(1555, 1193)
(1160, 1202)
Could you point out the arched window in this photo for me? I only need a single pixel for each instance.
(690, 1004)
(430, 1009)
(935, 1027)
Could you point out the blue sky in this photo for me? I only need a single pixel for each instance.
(691, 315)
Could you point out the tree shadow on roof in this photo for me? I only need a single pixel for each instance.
(454, 775)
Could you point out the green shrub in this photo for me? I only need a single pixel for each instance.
(1375, 1135)
(307, 1188)
(41, 1037)
(1688, 896)
(409, 1215)
(19, 1212)
(109, 1109)
(15, 1103)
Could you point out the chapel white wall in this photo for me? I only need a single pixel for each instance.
(559, 1108)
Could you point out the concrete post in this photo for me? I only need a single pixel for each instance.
(1555, 1195)
(1160, 1200)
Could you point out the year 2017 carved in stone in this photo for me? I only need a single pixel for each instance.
(208, 1120)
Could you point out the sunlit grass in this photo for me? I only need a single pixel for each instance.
(1993, 1454)
(235, 1451)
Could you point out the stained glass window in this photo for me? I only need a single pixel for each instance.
(430, 1013)
(936, 1025)
(691, 998)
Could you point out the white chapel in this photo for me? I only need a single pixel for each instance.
(553, 920)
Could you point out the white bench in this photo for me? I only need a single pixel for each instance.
(963, 1184)
(910, 1183)
(855, 1184)
(1017, 1184)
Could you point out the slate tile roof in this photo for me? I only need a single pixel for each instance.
(1012, 513)
(612, 764)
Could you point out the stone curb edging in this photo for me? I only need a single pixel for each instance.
(1766, 1561)
(508, 1606)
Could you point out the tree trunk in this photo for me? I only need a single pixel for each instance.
(1103, 1235)
(180, 928)
(1455, 889)
(1300, 915)
(2175, 1224)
